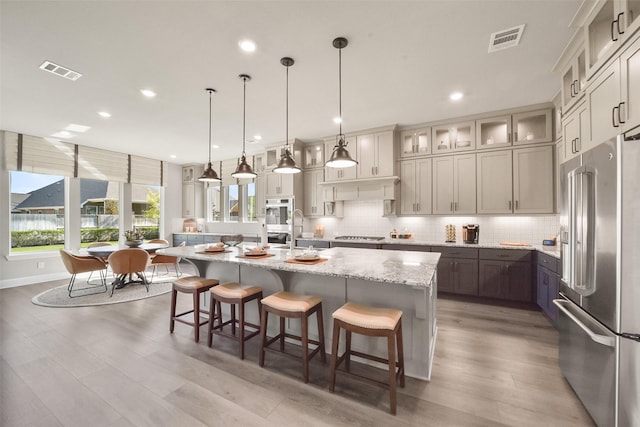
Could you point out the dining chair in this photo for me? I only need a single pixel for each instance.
(166, 260)
(82, 264)
(127, 262)
(97, 245)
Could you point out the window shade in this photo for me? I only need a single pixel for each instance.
(39, 155)
(145, 171)
(104, 165)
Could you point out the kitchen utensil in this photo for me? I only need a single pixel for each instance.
(470, 233)
(450, 233)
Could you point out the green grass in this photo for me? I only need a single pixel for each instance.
(48, 247)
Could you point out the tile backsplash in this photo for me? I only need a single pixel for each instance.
(365, 218)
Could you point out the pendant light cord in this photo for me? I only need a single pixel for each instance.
(287, 112)
(340, 87)
(209, 127)
(244, 113)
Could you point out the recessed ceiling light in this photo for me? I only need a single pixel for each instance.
(77, 128)
(63, 134)
(104, 114)
(247, 45)
(215, 146)
(337, 120)
(456, 96)
(148, 93)
(257, 137)
(173, 156)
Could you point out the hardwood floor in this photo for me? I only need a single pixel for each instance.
(118, 365)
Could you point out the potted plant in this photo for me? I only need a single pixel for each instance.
(134, 238)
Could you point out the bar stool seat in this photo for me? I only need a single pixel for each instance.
(290, 305)
(369, 321)
(194, 285)
(234, 294)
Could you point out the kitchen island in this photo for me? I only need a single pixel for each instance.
(396, 279)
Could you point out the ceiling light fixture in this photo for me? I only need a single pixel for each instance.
(456, 96)
(244, 169)
(63, 134)
(287, 163)
(209, 174)
(148, 93)
(77, 128)
(340, 157)
(247, 45)
(104, 114)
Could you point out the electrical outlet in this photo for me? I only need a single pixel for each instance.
(40, 264)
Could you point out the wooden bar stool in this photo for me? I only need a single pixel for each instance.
(374, 322)
(234, 294)
(191, 285)
(290, 305)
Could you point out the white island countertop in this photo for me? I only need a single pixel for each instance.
(414, 269)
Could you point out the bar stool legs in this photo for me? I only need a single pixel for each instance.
(375, 322)
(195, 286)
(292, 306)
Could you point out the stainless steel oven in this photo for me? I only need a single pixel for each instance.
(278, 214)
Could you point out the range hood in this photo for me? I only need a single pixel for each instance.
(357, 189)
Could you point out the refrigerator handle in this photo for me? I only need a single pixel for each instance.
(600, 339)
(584, 231)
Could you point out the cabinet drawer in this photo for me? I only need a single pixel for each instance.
(453, 252)
(401, 247)
(211, 239)
(548, 262)
(315, 243)
(505, 255)
(194, 239)
(179, 238)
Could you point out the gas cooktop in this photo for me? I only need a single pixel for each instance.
(371, 238)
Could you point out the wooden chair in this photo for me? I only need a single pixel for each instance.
(82, 264)
(296, 306)
(195, 286)
(373, 322)
(127, 262)
(233, 294)
(165, 260)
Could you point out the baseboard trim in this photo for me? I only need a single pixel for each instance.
(32, 280)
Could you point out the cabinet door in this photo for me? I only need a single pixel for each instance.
(490, 279)
(423, 186)
(518, 281)
(384, 154)
(313, 195)
(602, 34)
(464, 184)
(415, 142)
(630, 78)
(366, 155)
(466, 276)
(453, 137)
(442, 184)
(575, 131)
(273, 184)
(533, 180)
(335, 174)
(542, 289)
(446, 275)
(532, 127)
(313, 156)
(603, 99)
(286, 184)
(494, 182)
(188, 200)
(493, 132)
(408, 187)
(574, 79)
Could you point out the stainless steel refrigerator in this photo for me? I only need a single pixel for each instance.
(599, 316)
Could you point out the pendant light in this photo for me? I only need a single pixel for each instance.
(209, 174)
(287, 163)
(244, 170)
(340, 157)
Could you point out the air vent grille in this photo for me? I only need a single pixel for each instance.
(60, 71)
(506, 38)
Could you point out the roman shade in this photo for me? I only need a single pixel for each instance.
(104, 165)
(39, 155)
(145, 171)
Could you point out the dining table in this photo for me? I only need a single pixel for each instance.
(106, 250)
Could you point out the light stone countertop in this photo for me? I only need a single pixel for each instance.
(415, 269)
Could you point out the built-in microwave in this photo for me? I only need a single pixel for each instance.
(278, 214)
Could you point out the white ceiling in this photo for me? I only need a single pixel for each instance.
(402, 61)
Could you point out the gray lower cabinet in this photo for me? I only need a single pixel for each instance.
(407, 247)
(505, 274)
(195, 239)
(457, 270)
(548, 280)
(347, 244)
(179, 238)
(305, 243)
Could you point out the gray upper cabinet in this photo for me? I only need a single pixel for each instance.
(415, 187)
(415, 142)
(495, 187)
(313, 193)
(451, 137)
(527, 127)
(374, 155)
(345, 174)
(454, 184)
(313, 156)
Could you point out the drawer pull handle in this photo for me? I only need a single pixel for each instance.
(618, 23)
(613, 38)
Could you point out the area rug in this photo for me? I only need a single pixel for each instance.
(59, 297)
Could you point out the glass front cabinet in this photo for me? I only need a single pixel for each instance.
(415, 142)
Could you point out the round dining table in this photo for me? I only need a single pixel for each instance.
(106, 250)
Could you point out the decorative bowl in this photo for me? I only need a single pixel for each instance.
(133, 243)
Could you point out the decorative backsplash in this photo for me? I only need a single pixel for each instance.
(364, 218)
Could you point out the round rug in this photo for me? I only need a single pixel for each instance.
(59, 296)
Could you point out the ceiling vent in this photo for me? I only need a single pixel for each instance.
(60, 71)
(506, 38)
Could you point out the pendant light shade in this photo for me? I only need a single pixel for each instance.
(244, 170)
(209, 174)
(287, 163)
(340, 157)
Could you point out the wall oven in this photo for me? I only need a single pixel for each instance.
(278, 215)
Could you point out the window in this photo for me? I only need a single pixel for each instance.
(99, 211)
(250, 201)
(214, 203)
(145, 207)
(37, 212)
(232, 203)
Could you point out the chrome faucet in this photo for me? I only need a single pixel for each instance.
(296, 212)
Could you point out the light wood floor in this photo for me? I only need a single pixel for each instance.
(118, 365)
